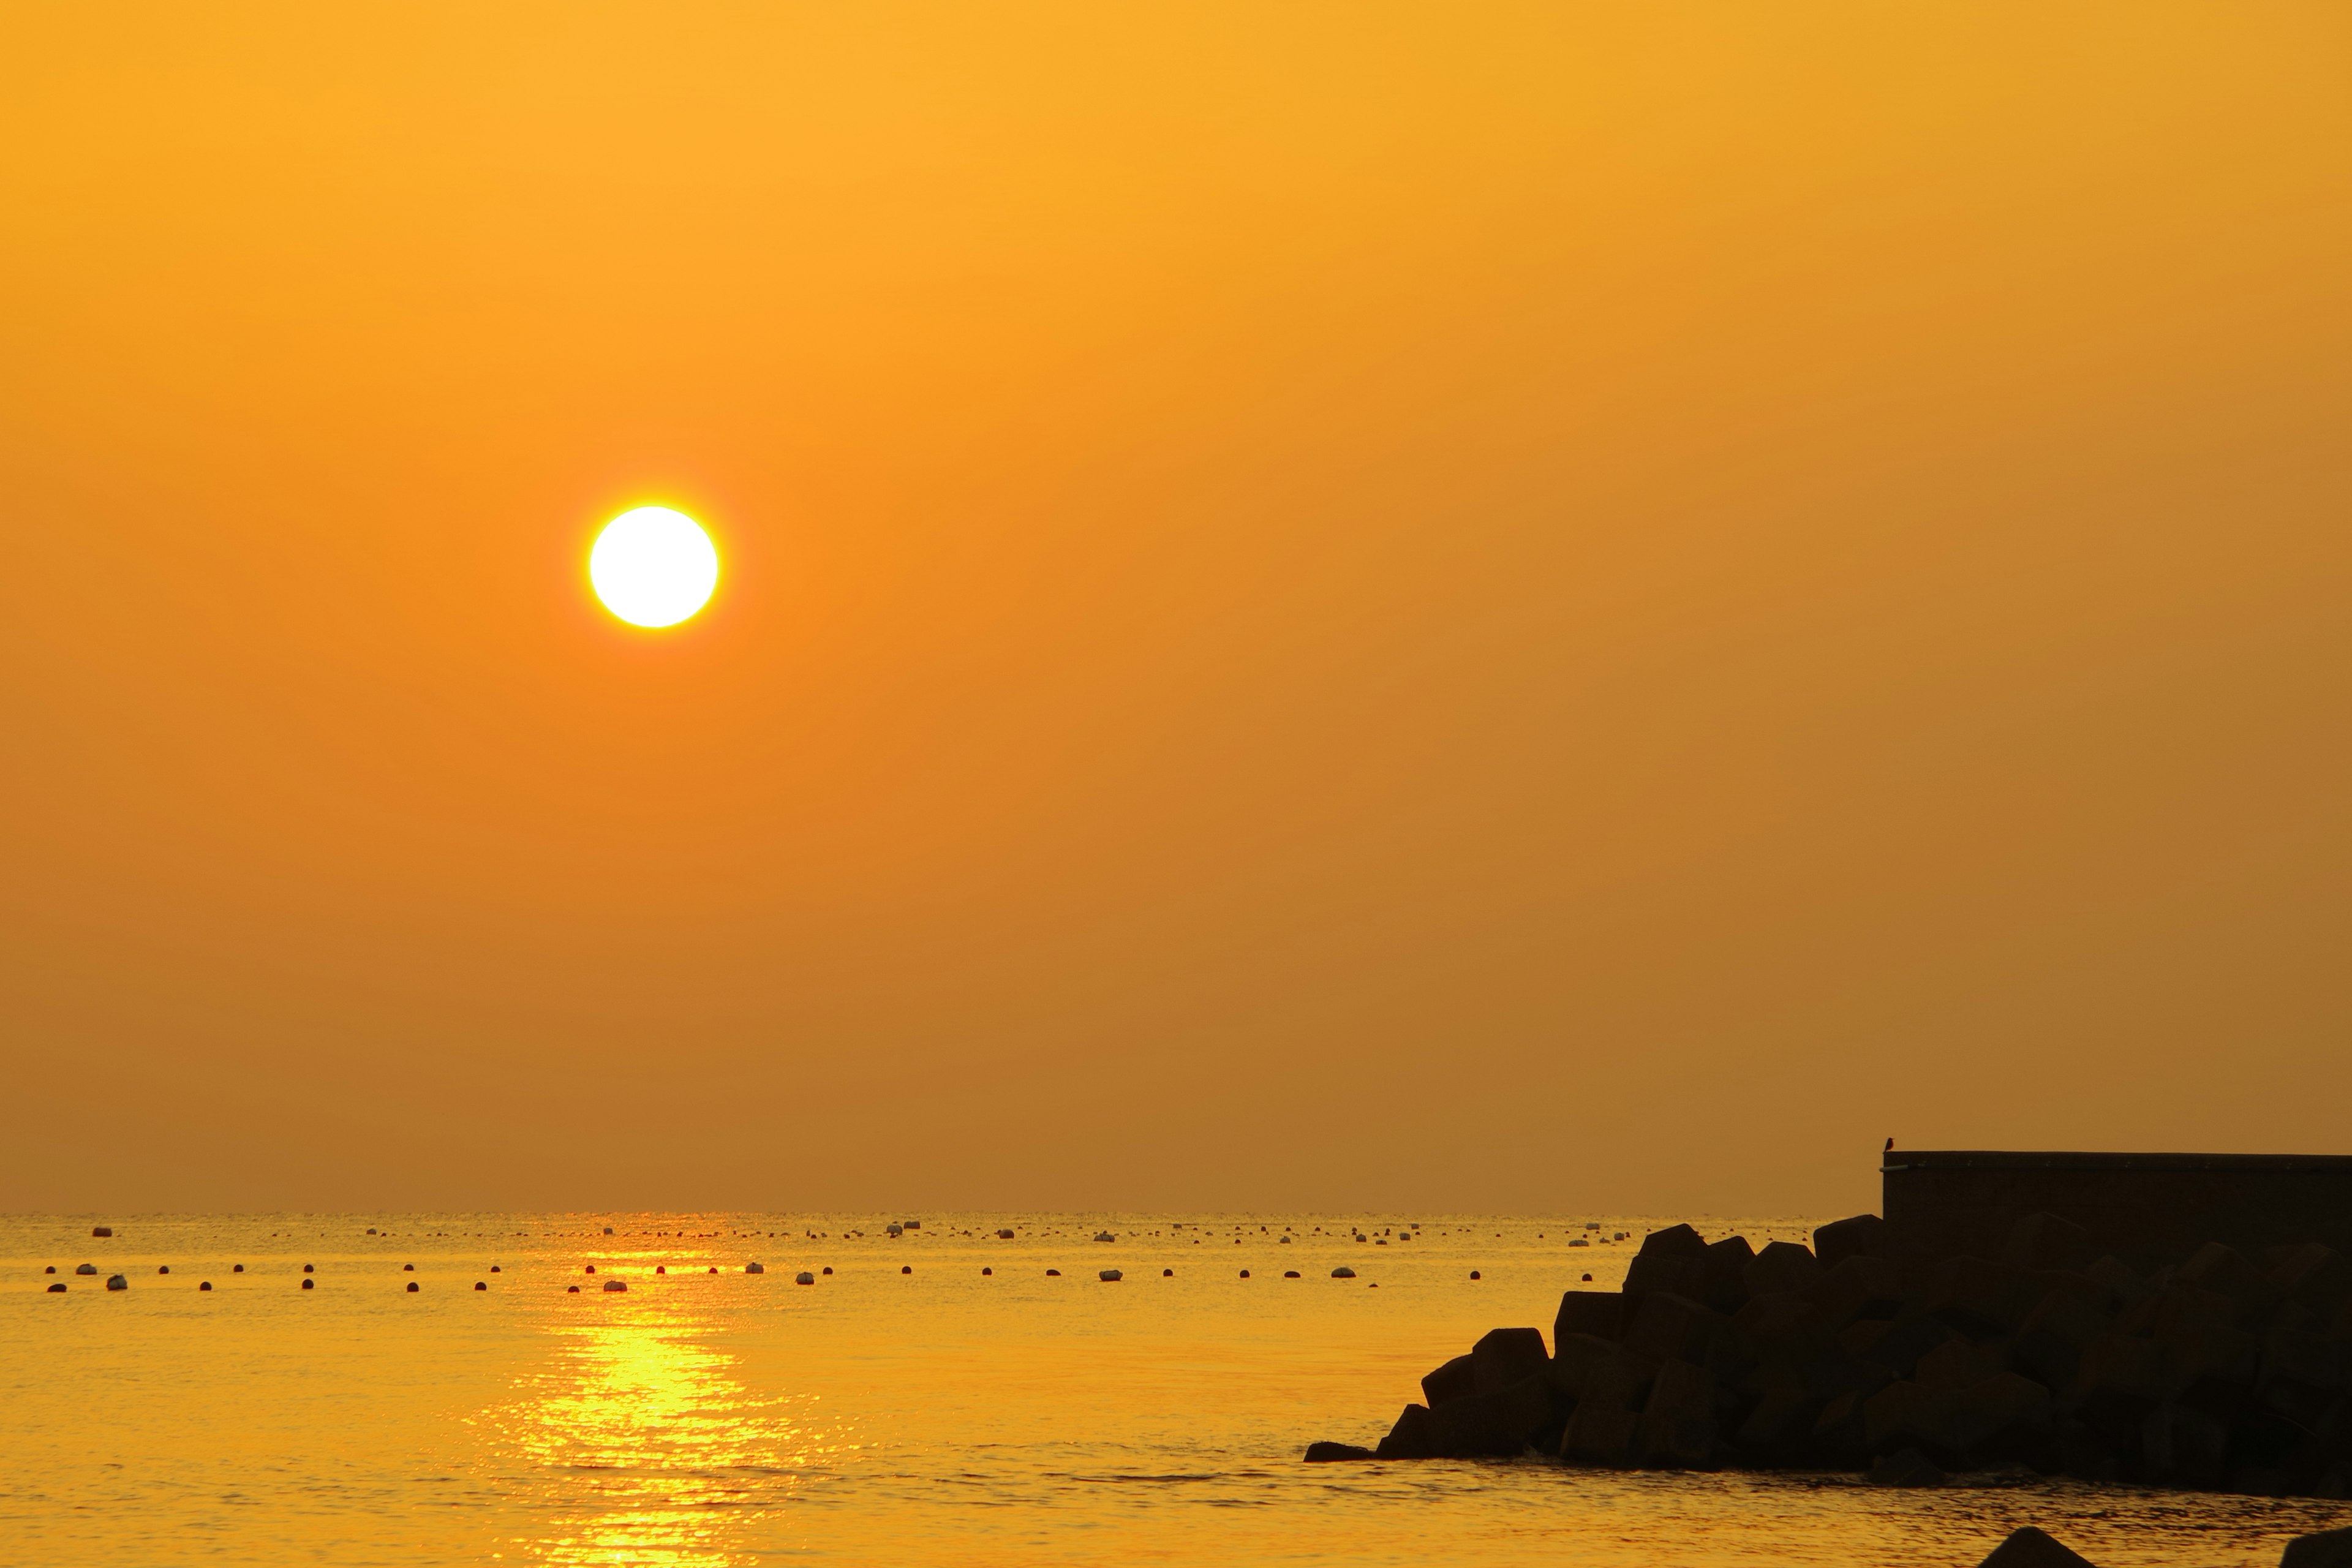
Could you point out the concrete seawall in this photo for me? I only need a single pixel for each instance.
(2139, 1207)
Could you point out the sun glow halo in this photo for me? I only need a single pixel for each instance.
(653, 566)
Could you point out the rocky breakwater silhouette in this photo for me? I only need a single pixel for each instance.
(2214, 1371)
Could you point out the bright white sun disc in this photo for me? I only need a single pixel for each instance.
(653, 566)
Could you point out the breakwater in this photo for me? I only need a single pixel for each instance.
(1868, 1351)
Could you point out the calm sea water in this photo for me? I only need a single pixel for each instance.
(877, 1416)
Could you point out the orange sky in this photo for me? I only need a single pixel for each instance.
(1551, 607)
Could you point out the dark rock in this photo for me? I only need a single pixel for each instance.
(1907, 1467)
(1839, 1433)
(2326, 1549)
(2220, 1361)
(1858, 1236)
(1956, 1364)
(1504, 1356)
(1857, 1288)
(1498, 1424)
(1726, 1267)
(1412, 1437)
(2050, 1343)
(1886, 1416)
(1674, 1241)
(1668, 1274)
(2125, 1366)
(1600, 1435)
(1594, 1371)
(1777, 1428)
(2225, 1272)
(2078, 1451)
(1601, 1313)
(1787, 1266)
(2031, 1547)
(1457, 1379)
(2003, 1416)
(2184, 1447)
(1770, 1316)
(2176, 1306)
(1901, 1346)
(1334, 1453)
(1678, 1430)
(2046, 1241)
(1667, 1327)
(2307, 1361)
(2316, 1276)
(1978, 1296)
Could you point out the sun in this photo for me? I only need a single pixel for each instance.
(653, 566)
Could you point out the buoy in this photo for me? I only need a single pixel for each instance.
(59, 1289)
(906, 1269)
(306, 1269)
(1004, 1236)
(370, 1230)
(1052, 1274)
(592, 1269)
(412, 1287)
(1110, 1276)
(408, 1268)
(608, 1230)
(804, 1278)
(754, 1269)
(1290, 1274)
(205, 1285)
(1244, 1273)
(163, 1268)
(712, 1269)
(826, 1269)
(1168, 1273)
(1343, 1272)
(52, 1268)
(308, 1283)
(1587, 1279)
(117, 1282)
(236, 1269)
(102, 1230)
(661, 1268)
(988, 1271)
(481, 1284)
(86, 1268)
(1474, 1274)
(616, 1284)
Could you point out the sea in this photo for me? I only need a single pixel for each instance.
(945, 1393)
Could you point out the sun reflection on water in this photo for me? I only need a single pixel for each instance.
(643, 1445)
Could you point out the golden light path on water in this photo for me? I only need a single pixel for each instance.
(649, 1422)
(908, 1408)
